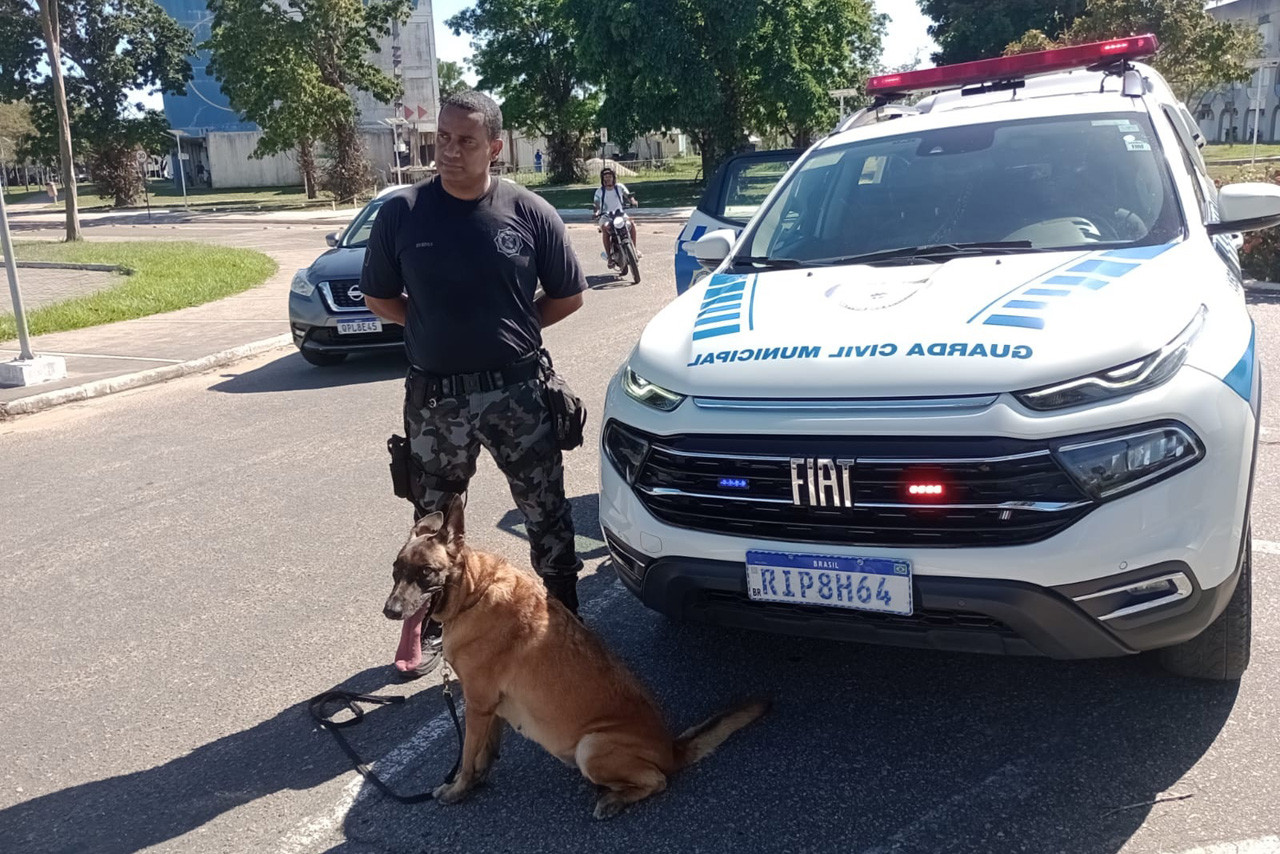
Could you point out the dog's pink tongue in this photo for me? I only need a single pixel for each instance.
(409, 652)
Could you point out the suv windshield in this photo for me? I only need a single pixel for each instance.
(1089, 181)
(357, 234)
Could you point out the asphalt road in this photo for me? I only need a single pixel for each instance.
(181, 567)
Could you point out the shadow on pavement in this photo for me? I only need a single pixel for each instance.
(867, 749)
(293, 373)
(586, 527)
(134, 811)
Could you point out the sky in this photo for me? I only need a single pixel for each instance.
(907, 33)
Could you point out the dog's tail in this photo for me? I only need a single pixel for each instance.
(695, 743)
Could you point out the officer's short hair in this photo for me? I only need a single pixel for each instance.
(477, 102)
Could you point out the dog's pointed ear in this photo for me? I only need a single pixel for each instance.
(429, 525)
(454, 528)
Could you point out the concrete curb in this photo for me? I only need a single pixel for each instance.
(68, 265)
(1257, 287)
(111, 385)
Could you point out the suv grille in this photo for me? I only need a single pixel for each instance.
(997, 491)
(340, 293)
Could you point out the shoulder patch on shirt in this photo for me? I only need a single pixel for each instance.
(508, 242)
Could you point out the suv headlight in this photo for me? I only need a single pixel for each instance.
(1105, 468)
(1129, 378)
(638, 388)
(301, 283)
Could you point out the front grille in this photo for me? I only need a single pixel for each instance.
(340, 294)
(919, 620)
(998, 491)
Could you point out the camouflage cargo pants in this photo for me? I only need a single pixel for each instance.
(445, 437)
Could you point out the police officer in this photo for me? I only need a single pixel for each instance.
(456, 260)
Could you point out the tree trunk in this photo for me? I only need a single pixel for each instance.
(562, 157)
(307, 165)
(347, 174)
(705, 148)
(49, 21)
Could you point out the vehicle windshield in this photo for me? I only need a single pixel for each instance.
(357, 234)
(1089, 181)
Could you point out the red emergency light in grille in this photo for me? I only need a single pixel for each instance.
(1013, 67)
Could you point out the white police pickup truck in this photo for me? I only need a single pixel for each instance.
(978, 375)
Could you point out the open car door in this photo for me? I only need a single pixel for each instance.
(731, 198)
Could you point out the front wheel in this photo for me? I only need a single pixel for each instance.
(1221, 651)
(630, 262)
(321, 359)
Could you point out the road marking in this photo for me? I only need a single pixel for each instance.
(310, 833)
(1267, 547)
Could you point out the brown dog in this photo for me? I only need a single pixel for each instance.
(523, 658)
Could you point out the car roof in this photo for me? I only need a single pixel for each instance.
(1068, 93)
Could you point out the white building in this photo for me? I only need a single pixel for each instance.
(1230, 113)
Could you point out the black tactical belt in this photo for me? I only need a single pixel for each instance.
(428, 386)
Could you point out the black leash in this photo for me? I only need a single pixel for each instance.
(348, 700)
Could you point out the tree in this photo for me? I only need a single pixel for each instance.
(715, 69)
(525, 54)
(449, 75)
(290, 67)
(978, 29)
(805, 49)
(1197, 52)
(99, 51)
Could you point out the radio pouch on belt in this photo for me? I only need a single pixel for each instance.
(401, 467)
(568, 413)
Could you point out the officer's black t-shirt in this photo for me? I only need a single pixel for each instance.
(470, 269)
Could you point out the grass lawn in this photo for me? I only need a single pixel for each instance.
(657, 193)
(1239, 151)
(162, 277)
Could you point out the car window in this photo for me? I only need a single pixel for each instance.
(747, 184)
(1063, 182)
(357, 234)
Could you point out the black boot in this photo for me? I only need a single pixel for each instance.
(565, 589)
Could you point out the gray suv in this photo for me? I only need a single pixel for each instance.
(327, 313)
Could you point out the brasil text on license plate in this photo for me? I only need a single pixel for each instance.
(364, 324)
(862, 583)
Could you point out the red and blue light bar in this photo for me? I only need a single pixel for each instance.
(1013, 67)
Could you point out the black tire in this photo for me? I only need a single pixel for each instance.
(321, 359)
(1220, 652)
(630, 262)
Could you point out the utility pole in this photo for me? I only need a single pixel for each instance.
(27, 369)
(182, 172)
(52, 40)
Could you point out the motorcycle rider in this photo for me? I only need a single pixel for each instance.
(611, 196)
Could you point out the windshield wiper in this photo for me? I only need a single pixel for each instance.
(932, 251)
(762, 261)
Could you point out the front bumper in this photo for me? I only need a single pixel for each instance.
(1021, 599)
(315, 327)
(957, 614)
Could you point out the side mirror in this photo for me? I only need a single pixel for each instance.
(332, 238)
(713, 247)
(1246, 207)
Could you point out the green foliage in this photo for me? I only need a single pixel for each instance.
(291, 67)
(1197, 52)
(449, 76)
(15, 127)
(979, 29)
(716, 68)
(525, 55)
(109, 49)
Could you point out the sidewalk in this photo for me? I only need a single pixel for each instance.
(119, 356)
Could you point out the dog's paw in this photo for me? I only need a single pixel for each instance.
(450, 793)
(608, 806)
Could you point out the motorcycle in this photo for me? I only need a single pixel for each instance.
(623, 252)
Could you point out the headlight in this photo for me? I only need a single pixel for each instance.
(619, 222)
(638, 388)
(301, 284)
(626, 449)
(1108, 467)
(1130, 378)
